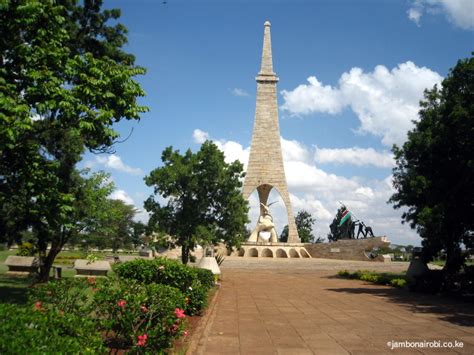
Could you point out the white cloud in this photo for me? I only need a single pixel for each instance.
(294, 151)
(385, 101)
(315, 97)
(459, 12)
(123, 196)
(232, 150)
(414, 14)
(140, 215)
(311, 204)
(239, 92)
(37, 117)
(354, 156)
(114, 162)
(200, 136)
(318, 192)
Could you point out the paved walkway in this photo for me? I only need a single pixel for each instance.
(274, 310)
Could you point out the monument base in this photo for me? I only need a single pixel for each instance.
(272, 250)
(348, 249)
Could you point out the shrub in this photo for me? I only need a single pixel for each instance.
(206, 277)
(26, 249)
(351, 275)
(400, 283)
(145, 317)
(33, 329)
(344, 273)
(196, 298)
(159, 270)
(369, 277)
(384, 278)
(68, 295)
(193, 282)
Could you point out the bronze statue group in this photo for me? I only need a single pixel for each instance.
(362, 229)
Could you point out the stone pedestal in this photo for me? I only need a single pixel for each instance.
(272, 250)
(348, 249)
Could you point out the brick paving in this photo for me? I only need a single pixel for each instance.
(305, 309)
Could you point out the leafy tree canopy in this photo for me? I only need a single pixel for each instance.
(304, 224)
(64, 82)
(434, 173)
(203, 199)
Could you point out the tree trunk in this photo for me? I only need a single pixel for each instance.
(47, 263)
(454, 259)
(184, 254)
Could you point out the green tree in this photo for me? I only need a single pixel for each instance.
(139, 230)
(64, 82)
(304, 224)
(340, 232)
(113, 227)
(434, 173)
(204, 202)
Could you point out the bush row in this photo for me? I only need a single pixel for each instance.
(28, 330)
(193, 282)
(395, 280)
(142, 310)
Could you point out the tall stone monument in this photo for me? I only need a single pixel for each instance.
(265, 169)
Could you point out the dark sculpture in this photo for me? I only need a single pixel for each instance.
(362, 229)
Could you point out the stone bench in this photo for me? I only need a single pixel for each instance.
(86, 268)
(22, 264)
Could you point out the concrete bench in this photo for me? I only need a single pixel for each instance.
(22, 264)
(145, 253)
(87, 268)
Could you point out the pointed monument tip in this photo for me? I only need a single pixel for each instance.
(267, 23)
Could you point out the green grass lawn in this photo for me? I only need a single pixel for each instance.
(442, 262)
(14, 288)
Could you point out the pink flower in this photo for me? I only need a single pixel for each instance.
(179, 313)
(142, 340)
(174, 328)
(39, 306)
(143, 308)
(185, 333)
(121, 303)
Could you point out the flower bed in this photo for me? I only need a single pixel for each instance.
(193, 282)
(88, 315)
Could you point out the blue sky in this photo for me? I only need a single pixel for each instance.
(368, 63)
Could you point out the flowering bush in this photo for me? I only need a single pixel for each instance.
(129, 314)
(159, 270)
(193, 282)
(196, 296)
(68, 295)
(139, 316)
(206, 277)
(34, 329)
